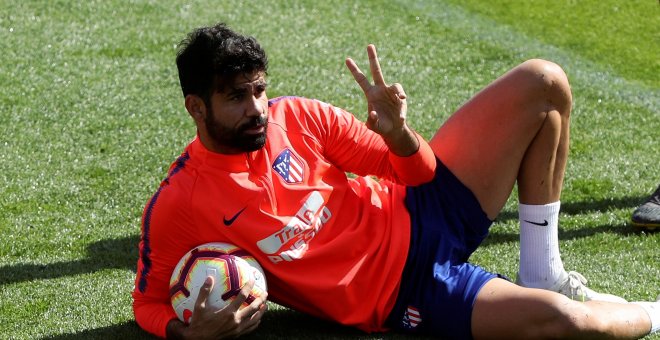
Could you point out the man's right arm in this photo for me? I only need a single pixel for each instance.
(154, 313)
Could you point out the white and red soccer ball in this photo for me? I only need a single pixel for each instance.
(230, 266)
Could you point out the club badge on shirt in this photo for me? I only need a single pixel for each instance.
(289, 167)
(411, 318)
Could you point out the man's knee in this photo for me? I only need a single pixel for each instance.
(548, 82)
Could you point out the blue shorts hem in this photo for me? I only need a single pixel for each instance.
(439, 285)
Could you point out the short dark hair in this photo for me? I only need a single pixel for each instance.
(210, 56)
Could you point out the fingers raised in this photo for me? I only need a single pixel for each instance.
(376, 71)
(359, 77)
(374, 66)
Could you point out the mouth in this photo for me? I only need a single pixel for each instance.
(255, 130)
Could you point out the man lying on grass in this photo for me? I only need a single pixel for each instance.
(269, 176)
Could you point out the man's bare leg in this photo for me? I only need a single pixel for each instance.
(517, 130)
(504, 310)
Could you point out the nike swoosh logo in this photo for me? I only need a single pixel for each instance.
(228, 222)
(542, 224)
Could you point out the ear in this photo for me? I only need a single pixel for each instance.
(196, 107)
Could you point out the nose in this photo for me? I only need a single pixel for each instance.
(255, 107)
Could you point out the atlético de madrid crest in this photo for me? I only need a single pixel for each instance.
(289, 166)
(411, 318)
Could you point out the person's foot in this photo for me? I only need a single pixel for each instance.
(573, 285)
(647, 215)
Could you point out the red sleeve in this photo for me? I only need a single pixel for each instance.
(350, 145)
(151, 303)
(152, 317)
(417, 168)
(165, 218)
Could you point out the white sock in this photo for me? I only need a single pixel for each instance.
(653, 310)
(540, 262)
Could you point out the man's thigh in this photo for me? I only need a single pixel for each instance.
(484, 142)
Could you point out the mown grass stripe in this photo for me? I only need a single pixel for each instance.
(579, 69)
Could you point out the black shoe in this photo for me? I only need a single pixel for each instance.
(647, 215)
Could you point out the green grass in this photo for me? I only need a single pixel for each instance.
(91, 117)
(618, 35)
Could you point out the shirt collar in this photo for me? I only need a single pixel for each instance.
(230, 163)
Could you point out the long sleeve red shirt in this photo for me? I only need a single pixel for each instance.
(332, 245)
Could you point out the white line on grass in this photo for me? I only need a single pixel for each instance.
(581, 70)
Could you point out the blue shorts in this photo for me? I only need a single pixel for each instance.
(438, 286)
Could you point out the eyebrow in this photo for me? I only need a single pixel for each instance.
(244, 87)
(235, 90)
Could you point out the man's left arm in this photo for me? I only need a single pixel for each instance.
(387, 109)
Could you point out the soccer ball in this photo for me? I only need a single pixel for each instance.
(230, 266)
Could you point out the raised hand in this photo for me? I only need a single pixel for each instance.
(386, 106)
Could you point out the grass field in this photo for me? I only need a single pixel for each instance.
(91, 116)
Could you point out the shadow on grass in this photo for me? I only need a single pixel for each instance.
(119, 253)
(624, 229)
(122, 253)
(283, 323)
(278, 323)
(126, 330)
(576, 208)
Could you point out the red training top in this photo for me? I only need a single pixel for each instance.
(331, 246)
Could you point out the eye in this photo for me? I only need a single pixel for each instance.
(260, 89)
(236, 97)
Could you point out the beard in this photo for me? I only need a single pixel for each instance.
(237, 138)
